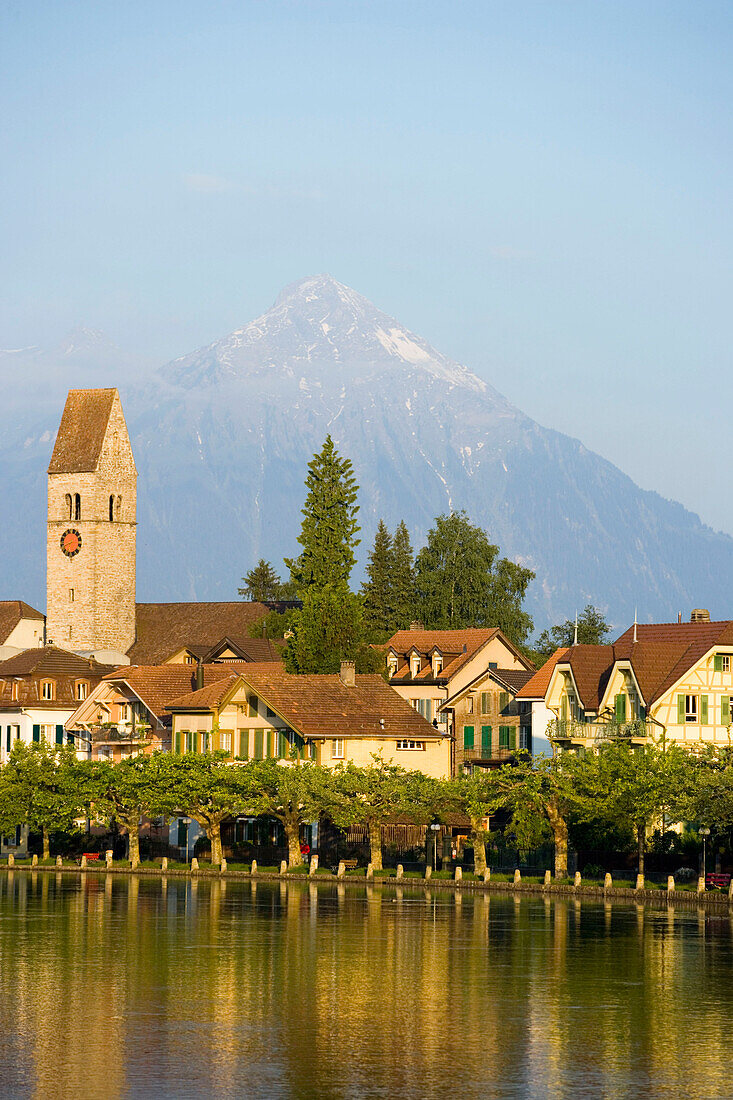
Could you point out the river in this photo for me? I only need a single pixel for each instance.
(141, 987)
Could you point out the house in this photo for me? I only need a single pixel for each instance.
(21, 627)
(187, 632)
(259, 711)
(39, 690)
(126, 715)
(662, 682)
(448, 675)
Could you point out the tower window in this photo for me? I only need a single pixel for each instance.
(69, 506)
(115, 506)
(111, 508)
(77, 506)
(71, 595)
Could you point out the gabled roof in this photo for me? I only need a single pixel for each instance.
(246, 649)
(81, 432)
(11, 613)
(163, 629)
(49, 662)
(157, 685)
(536, 687)
(510, 678)
(457, 647)
(320, 707)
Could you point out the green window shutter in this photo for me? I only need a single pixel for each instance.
(282, 745)
(620, 702)
(680, 710)
(259, 754)
(512, 737)
(703, 710)
(59, 735)
(564, 708)
(486, 740)
(254, 704)
(178, 743)
(503, 700)
(312, 751)
(484, 702)
(36, 733)
(503, 737)
(270, 752)
(468, 737)
(725, 710)
(244, 744)
(718, 662)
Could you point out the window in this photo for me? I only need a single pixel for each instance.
(506, 737)
(14, 689)
(71, 595)
(424, 707)
(411, 745)
(77, 506)
(337, 749)
(225, 741)
(486, 740)
(620, 708)
(111, 508)
(189, 659)
(391, 665)
(721, 662)
(47, 690)
(253, 704)
(69, 506)
(259, 745)
(269, 713)
(691, 708)
(205, 741)
(485, 702)
(503, 700)
(469, 704)
(437, 664)
(244, 744)
(468, 737)
(82, 690)
(190, 743)
(414, 665)
(525, 738)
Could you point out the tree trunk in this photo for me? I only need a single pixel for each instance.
(133, 836)
(478, 836)
(641, 843)
(292, 832)
(375, 845)
(214, 834)
(559, 827)
(46, 844)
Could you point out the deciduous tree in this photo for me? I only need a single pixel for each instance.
(592, 630)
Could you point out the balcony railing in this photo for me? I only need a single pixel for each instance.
(106, 735)
(471, 756)
(569, 729)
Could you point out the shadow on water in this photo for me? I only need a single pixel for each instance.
(125, 987)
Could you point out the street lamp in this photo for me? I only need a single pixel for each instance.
(704, 833)
(435, 829)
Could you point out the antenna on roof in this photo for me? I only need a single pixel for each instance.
(575, 637)
(635, 624)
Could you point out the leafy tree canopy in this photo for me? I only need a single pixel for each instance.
(592, 630)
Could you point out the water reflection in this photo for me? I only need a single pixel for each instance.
(130, 987)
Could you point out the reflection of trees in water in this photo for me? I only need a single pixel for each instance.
(278, 988)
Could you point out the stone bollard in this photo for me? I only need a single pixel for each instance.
(428, 871)
(313, 866)
(487, 875)
(283, 867)
(548, 878)
(577, 880)
(194, 864)
(670, 884)
(59, 861)
(517, 876)
(163, 864)
(701, 884)
(370, 871)
(341, 870)
(458, 874)
(608, 881)
(83, 863)
(253, 868)
(639, 882)
(730, 892)
(400, 872)
(11, 860)
(222, 865)
(34, 861)
(108, 857)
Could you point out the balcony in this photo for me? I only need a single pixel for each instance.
(484, 756)
(115, 735)
(569, 729)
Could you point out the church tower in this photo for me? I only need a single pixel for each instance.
(92, 498)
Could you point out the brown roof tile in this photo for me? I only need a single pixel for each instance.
(49, 662)
(536, 687)
(157, 685)
(164, 628)
(81, 432)
(11, 613)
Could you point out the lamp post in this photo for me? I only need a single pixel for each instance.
(704, 833)
(435, 829)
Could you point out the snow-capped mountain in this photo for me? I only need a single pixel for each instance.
(222, 438)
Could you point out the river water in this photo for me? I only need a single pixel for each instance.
(142, 987)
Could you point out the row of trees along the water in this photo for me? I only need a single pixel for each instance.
(458, 579)
(616, 790)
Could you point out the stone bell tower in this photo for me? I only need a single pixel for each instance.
(92, 498)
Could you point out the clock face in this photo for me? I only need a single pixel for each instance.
(71, 543)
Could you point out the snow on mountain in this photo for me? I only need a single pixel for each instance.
(222, 438)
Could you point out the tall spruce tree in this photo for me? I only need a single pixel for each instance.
(328, 534)
(261, 583)
(403, 597)
(377, 590)
(329, 627)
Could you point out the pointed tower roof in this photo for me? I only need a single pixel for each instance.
(81, 432)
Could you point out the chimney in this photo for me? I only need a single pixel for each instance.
(465, 648)
(416, 624)
(700, 615)
(199, 675)
(347, 675)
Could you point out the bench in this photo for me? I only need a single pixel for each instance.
(91, 857)
(715, 881)
(349, 864)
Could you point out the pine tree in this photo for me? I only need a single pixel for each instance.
(326, 630)
(261, 583)
(377, 590)
(328, 534)
(403, 596)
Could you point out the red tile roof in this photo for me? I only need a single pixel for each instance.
(457, 647)
(49, 662)
(11, 613)
(157, 685)
(164, 628)
(536, 687)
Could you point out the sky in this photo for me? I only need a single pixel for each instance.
(541, 190)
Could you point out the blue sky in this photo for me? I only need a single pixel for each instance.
(541, 190)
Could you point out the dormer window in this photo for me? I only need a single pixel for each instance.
(392, 664)
(81, 690)
(14, 691)
(48, 690)
(414, 664)
(437, 664)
